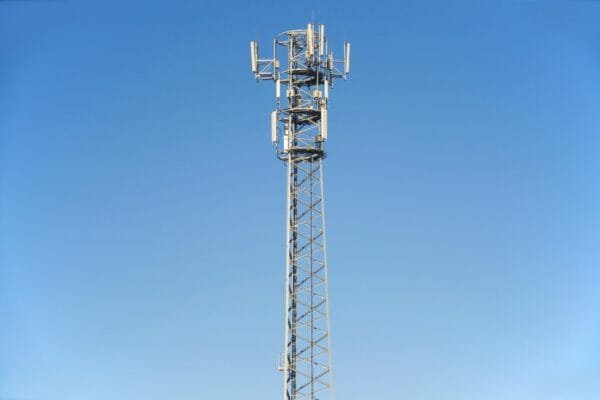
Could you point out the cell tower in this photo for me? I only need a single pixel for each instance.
(299, 132)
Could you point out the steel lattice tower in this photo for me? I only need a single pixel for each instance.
(299, 132)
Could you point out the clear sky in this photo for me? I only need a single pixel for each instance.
(142, 208)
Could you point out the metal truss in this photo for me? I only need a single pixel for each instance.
(307, 354)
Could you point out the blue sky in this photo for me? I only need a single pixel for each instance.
(142, 208)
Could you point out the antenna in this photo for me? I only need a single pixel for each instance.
(346, 58)
(323, 122)
(263, 69)
(299, 131)
(310, 41)
(321, 40)
(254, 56)
(274, 127)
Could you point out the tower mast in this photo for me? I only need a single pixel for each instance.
(299, 132)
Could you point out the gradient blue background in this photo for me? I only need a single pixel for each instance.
(142, 209)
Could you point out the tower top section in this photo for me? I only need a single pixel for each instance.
(308, 71)
(312, 54)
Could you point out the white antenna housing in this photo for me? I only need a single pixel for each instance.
(278, 89)
(323, 122)
(321, 39)
(274, 116)
(326, 89)
(286, 141)
(310, 41)
(254, 56)
(346, 57)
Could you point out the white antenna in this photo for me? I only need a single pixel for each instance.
(326, 89)
(254, 56)
(310, 41)
(321, 39)
(323, 122)
(286, 139)
(278, 89)
(274, 126)
(346, 58)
